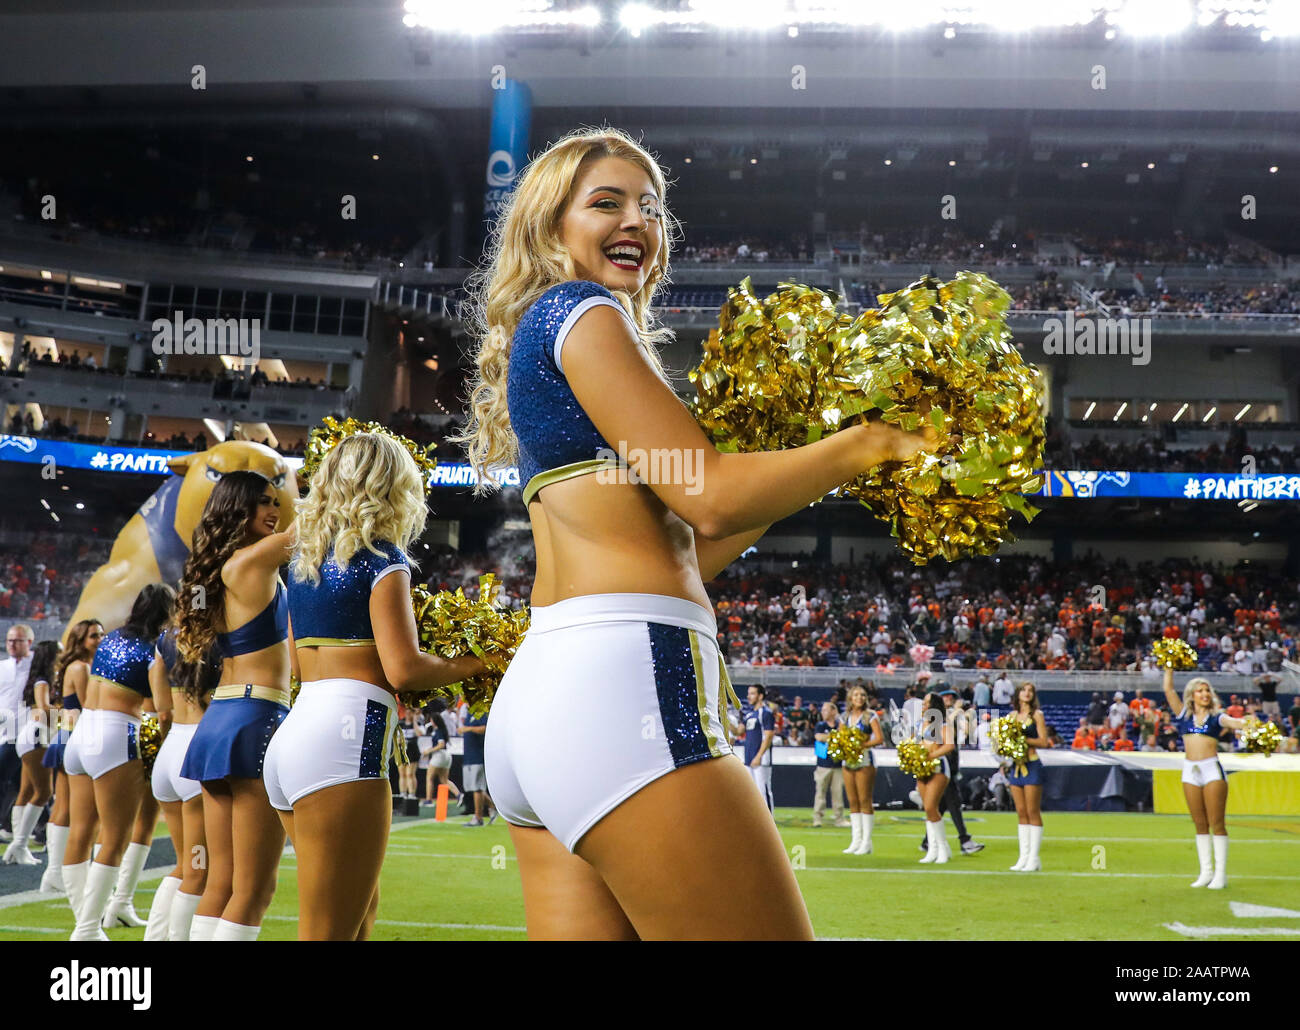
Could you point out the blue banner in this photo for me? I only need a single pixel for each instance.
(102, 457)
(1197, 486)
(512, 115)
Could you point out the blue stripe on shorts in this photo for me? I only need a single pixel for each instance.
(372, 742)
(678, 692)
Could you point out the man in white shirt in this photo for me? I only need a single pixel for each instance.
(1242, 661)
(1119, 712)
(13, 679)
(1002, 691)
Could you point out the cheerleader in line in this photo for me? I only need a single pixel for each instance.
(121, 905)
(438, 757)
(233, 569)
(33, 741)
(355, 646)
(860, 779)
(1027, 790)
(179, 893)
(606, 751)
(120, 671)
(938, 728)
(68, 708)
(80, 694)
(1199, 717)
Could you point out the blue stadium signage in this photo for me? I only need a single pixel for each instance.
(1201, 486)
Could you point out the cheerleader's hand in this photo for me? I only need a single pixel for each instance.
(899, 445)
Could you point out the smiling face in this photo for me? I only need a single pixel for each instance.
(266, 515)
(613, 201)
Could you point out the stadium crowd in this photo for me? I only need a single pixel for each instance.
(1079, 450)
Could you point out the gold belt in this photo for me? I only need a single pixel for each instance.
(229, 690)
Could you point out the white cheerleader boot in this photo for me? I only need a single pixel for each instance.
(941, 840)
(99, 888)
(1033, 865)
(1220, 863)
(24, 819)
(932, 848)
(864, 846)
(856, 819)
(1023, 829)
(74, 876)
(203, 927)
(160, 910)
(56, 842)
(121, 907)
(1206, 857)
(228, 931)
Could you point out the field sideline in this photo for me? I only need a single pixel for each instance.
(1105, 877)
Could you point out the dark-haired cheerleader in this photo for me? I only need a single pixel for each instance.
(33, 740)
(121, 674)
(179, 893)
(937, 735)
(78, 693)
(232, 598)
(1027, 788)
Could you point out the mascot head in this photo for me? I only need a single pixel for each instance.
(204, 470)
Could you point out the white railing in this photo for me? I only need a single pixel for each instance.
(1106, 682)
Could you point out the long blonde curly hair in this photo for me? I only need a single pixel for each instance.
(525, 258)
(368, 488)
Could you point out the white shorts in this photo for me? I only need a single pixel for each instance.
(762, 777)
(1203, 771)
(114, 741)
(338, 731)
(607, 693)
(168, 783)
(35, 733)
(83, 730)
(440, 759)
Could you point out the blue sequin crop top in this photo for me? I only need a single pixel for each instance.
(336, 612)
(269, 626)
(165, 645)
(124, 661)
(557, 440)
(1185, 723)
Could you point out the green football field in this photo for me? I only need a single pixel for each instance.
(1105, 877)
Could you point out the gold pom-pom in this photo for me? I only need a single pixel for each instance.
(1174, 653)
(452, 625)
(1008, 735)
(295, 686)
(331, 432)
(846, 744)
(150, 740)
(914, 760)
(1260, 737)
(788, 370)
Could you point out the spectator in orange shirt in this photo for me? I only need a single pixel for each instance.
(1235, 709)
(1083, 738)
(1122, 743)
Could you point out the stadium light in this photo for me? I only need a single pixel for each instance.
(1121, 411)
(1237, 417)
(1180, 412)
(1154, 17)
(1088, 414)
(1210, 414)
